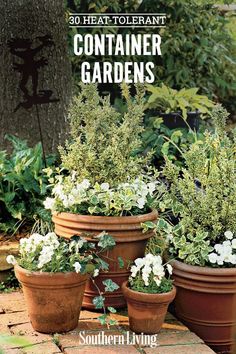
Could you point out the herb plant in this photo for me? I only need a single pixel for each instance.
(102, 139)
(202, 195)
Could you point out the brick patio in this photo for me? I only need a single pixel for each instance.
(174, 337)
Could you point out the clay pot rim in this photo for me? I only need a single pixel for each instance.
(28, 273)
(113, 219)
(188, 268)
(146, 297)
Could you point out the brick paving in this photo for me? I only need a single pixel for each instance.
(174, 337)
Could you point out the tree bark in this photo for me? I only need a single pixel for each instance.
(36, 84)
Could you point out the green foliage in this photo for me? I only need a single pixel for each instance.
(23, 185)
(137, 284)
(198, 46)
(110, 286)
(202, 194)
(10, 284)
(161, 141)
(102, 139)
(165, 99)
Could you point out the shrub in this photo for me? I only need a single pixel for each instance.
(102, 139)
(202, 194)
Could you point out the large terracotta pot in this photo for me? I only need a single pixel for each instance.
(53, 299)
(130, 244)
(205, 302)
(146, 311)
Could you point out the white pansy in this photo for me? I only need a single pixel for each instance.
(11, 259)
(212, 257)
(157, 281)
(96, 272)
(218, 248)
(77, 267)
(105, 187)
(169, 268)
(234, 243)
(134, 270)
(49, 203)
(232, 259)
(151, 187)
(227, 243)
(141, 202)
(229, 235)
(220, 260)
(139, 262)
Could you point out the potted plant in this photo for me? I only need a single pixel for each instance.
(178, 108)
(148, 293)
(53, 272)
(105, 187)
(202, 194)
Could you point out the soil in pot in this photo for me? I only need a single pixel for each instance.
(53, 299)
(147, 311)
(205, 303)
(130, 244)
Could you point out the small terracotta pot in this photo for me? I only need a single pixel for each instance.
(147, 311)
(130, 244)
(205, 302)
(53, 299)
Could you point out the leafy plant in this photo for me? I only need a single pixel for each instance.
(149, 275)
(162, 141)
(165, 99)
(23, 185)
(137, 197)
(202, 195)
(102, 139)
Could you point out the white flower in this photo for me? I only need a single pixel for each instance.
(213, 257)
(232, 259)
(96, 272)
(169, 268)
(85, 184)
(49, 203)
(134, 270)
(226, 243)
(11, 259)
(218, 247)
(157, 281)
(234, 243)
(141, 202)
(139, 262)
(151, 187)
(228, 235)
(105, 187)
(77, 267)
(220, 260)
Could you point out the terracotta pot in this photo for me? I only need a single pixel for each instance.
(5, 250)
(146, 311)
(53, 299)
(130, 244)
(205, 302)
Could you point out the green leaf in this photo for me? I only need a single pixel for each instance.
(98, 302)
(106, 241)
(110, 285)
(121, 262)
(102, 319)
(111, 309)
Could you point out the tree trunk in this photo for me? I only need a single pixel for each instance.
(35, 73)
